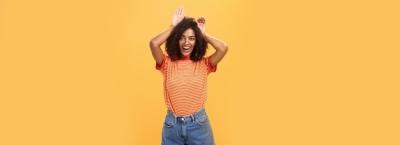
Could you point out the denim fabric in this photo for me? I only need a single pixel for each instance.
(190, 130)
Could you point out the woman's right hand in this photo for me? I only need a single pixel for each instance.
(178, 16)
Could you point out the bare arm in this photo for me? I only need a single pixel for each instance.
(220, 47)
(157, 41)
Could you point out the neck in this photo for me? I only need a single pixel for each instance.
(185, 58)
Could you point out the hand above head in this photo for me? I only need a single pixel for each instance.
(201, 24)
(178, 16)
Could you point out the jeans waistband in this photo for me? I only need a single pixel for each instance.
(201, 111)
(190, 117)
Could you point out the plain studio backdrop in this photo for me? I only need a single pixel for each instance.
(80, 72)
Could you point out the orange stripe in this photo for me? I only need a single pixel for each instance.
(185, 84)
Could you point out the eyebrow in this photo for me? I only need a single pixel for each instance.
(188, 36)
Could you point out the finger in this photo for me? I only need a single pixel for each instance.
(201, 20)
(182, 11)
(176, 11)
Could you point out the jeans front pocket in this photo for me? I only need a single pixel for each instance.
(169, 121)
(202, 119)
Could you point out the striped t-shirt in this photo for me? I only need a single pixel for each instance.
(185, 84)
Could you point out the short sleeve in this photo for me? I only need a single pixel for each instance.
(163, 64)
(210, 67)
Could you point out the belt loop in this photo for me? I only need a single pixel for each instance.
(192, 116)
(175, 118)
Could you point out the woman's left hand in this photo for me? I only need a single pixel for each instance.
(201, 24)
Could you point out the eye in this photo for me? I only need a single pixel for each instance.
(192, 38)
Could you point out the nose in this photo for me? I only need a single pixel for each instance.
(186, 41)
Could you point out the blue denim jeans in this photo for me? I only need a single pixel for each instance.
(190, 130)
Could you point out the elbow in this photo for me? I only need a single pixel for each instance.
(225, 48)
(153, 43)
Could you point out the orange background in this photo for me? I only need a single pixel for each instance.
(80, 72)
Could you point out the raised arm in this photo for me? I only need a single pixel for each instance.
(220, 47)
(157, 41)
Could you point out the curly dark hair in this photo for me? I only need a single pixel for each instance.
(172, 45)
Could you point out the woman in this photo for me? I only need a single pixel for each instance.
(185, 70)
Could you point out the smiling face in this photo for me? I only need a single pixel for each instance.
(187, 42)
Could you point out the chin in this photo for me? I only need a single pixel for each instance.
(186, 55)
